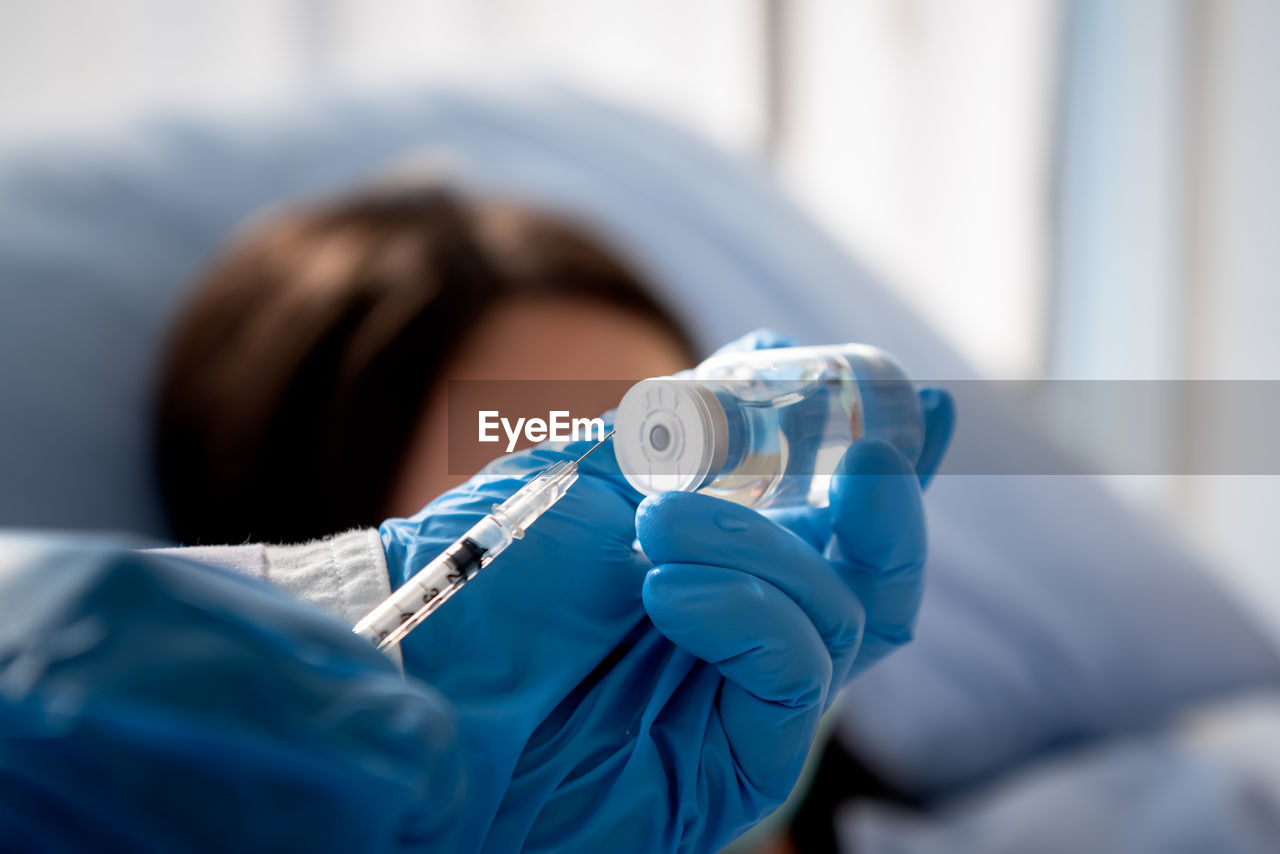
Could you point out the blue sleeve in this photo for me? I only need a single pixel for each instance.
(152, 704)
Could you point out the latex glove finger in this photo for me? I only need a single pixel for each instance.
(879, 546)
(810, 524)
(813, 525)
(688, 528)
(939, 410)
(776, 667)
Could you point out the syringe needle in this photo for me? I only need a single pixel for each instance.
(593, 447)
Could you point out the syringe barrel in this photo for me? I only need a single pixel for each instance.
(536, 497)
(424, 592)
(431, 586)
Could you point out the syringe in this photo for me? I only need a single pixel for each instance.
(402, 611)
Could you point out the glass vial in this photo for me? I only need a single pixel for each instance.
(764, 428)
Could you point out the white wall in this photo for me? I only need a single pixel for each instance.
(1168, 261)
(920, 132)
(71, 64)
(68, 65)
(1234, 319)
(917, 130)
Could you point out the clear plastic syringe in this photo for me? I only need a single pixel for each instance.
(402, 611)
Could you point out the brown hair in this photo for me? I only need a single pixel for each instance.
(294, 379)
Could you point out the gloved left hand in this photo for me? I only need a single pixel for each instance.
(609, 702)
(148, 704)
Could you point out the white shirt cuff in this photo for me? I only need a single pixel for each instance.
(344, 575)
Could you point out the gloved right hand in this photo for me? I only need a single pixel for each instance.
(588, 698)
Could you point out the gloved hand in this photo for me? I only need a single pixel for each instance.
(611, 703)
(530, 627)
(150, 704)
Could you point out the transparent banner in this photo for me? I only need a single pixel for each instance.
(1068, 427)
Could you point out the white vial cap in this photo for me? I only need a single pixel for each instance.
(671, 434)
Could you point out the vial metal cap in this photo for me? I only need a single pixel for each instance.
(671, 435)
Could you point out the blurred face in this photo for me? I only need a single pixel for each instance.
(544, 338)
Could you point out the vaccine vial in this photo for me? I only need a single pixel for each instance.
(764, 428)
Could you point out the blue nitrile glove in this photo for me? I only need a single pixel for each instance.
(534, 624)
(151, 704)
(586, 727)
